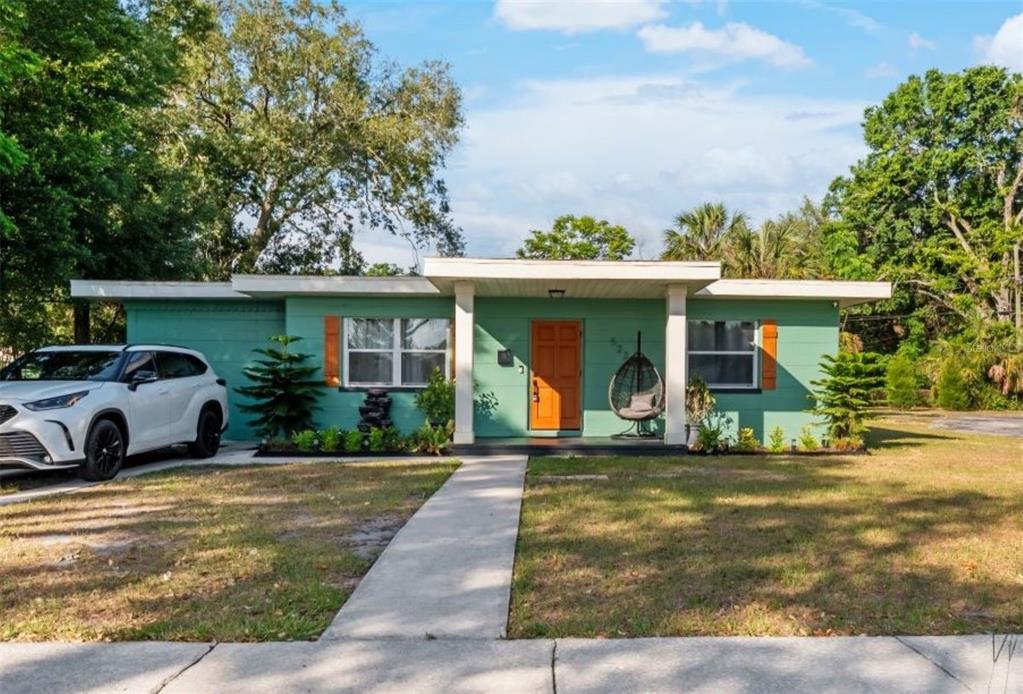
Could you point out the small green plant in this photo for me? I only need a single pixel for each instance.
(842, 397)
(394, 442)
(711, 437)
(700, 402)
(807, 441)
(305, 440)
(953, 390)
(900, 383)
(432, 439)
(746, 441)
(330, 439)
(852, 443)
(353, 441)
(375, 440)
(776, 442)
(437, 400)
(282, 393)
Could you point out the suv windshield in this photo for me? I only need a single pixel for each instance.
(64, 365)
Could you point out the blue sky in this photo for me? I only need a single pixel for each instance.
(634, 111)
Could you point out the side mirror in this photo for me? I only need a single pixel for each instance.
(139, 378)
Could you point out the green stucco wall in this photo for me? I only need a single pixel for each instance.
(225, 331)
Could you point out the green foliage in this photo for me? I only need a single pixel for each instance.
(851, 443)
(282, 393)
(330, 439)
(384, 270)
(935, 205)
(305, 440)
(776, 442)
(437, 400)
(393, 440)
(954, 392)
(702, 233)
(375, 440)
(807, 441)
(746, 441)
(299, 136)
(842, 397)
(700, 402)
(579, 238)
(900, 383)
(712, 436)
(354, 441)
(433, 440)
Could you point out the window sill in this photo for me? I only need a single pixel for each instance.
(736, 391)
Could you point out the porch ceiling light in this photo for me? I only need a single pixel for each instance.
(556, 293)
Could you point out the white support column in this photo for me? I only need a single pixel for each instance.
(464, 301)
(675, 366)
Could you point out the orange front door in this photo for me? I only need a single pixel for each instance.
(555, 386)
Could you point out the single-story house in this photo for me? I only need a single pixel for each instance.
(532, 344)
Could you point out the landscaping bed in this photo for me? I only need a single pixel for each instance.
(922, 536)
(227, 554)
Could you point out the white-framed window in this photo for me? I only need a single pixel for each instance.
(724, 353)
(395, 351)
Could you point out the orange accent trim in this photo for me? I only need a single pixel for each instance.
(769, 360)
(332, 350)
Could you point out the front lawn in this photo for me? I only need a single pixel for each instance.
(922, 536)
(236, 554)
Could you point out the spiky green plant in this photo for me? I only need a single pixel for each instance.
(283, 393)
(842, 397)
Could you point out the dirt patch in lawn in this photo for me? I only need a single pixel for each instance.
(922, 536)
(232, 554)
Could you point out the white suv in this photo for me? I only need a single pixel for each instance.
(90, 406)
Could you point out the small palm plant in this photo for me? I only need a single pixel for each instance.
(843, 396)
(283, 393)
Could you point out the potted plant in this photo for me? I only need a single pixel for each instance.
(437, 400)
(700, 403)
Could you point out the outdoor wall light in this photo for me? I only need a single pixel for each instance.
(556, 293)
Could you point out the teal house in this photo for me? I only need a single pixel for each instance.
(533, 346)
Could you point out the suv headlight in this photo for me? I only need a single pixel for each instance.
(58, 402)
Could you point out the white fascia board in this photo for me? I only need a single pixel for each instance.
(121, 290)
(294, 285)
(847, 293)
(600, 270)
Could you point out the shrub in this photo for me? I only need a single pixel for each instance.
(353, 441)
(375, 440)
(842, 397)
(700, 401)
(393, 440)
(437, 400)
(807, 441)
(283, 396)
(330, 439)
(746, 441)
(900, 383)
(776, 442)
(305, 440)
(433, 439)
(953, 389)
(711, 437)
(852, 443)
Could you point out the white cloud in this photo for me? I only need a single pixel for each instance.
(853, 18)
(637, 150)
(734, 40)
(916, 42)
(577, 17)
(1005, 48)
(882, 69)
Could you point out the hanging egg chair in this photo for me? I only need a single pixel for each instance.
(636, 393)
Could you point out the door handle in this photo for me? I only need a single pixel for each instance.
(536, 391)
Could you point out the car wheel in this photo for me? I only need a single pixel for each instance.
(104, 451)
(207, 439)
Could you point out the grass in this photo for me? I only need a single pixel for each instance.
(922, 536)
(236, 554)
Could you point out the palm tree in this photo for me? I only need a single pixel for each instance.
(775, 250)
(700, 233)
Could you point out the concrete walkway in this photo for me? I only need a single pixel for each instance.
(935, 664)
(1007, 424)
(448, 571)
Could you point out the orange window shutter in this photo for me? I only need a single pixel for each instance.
(769, 347)
(332, 350)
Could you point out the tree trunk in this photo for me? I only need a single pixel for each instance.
(82, 333)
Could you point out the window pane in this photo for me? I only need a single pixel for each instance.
(424, 333)
(717, 336)
(416, 367)
(371, 333)
(177, 365)
(140, 365)
(723, 369)
(370, 367)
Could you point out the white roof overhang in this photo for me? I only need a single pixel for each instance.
(846, 293)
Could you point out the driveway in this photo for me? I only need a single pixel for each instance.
(1000, 425)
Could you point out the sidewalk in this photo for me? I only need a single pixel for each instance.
(702, 664)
